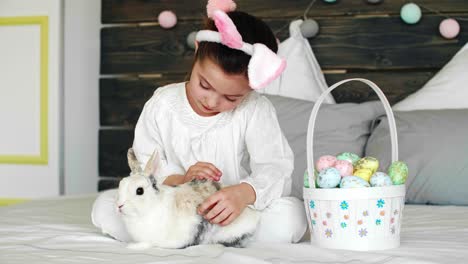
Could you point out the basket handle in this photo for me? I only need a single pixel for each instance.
(313, 117)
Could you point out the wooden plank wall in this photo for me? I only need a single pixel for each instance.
(356, 40)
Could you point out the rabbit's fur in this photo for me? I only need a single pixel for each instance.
(166, 217)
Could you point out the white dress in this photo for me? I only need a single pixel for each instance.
(246, 144)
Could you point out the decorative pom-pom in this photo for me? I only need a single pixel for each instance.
(410, 13)
(309, 28)
(449, 28)
(223, 5)
(167, 19)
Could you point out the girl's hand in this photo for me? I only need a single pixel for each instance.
(202, 170)
(226, 205)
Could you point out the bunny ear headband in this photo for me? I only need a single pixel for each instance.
(264, 66)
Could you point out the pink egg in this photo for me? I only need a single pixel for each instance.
(167, 19)
(344, 167)
(449, 28)
(324, 162)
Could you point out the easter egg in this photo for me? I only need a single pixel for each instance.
(380, 179)
(328, 178)
(351, 157)
(367, 163)
(345, 167)
(364, 174)
(353, 182)
(324, 162)
(398, 172)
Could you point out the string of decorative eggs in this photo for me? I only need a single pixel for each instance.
(410, 13)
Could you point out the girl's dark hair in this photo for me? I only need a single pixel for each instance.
(232, 61)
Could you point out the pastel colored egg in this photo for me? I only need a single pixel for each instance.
(345, 167)
(380, 179)
(353, 182)
(324, 162)
(328, 178)
(398, 172)
(351, 157)
(368, 163)
(364, 174)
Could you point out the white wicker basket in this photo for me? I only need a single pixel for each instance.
(354, 219)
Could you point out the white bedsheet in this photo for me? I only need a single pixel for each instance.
(60, 231)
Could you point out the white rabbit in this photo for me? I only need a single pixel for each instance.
(166, 217)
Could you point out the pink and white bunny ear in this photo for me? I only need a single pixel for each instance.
(264, 66)
(223, 5)
(229, 34)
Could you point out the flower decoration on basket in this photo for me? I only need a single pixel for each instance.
(348, 170)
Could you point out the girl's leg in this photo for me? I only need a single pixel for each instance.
(106, 218)
(284, 221)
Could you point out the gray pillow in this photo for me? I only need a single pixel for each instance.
(339, 128)
(434, 144)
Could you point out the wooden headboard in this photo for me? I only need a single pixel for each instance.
(356, 39)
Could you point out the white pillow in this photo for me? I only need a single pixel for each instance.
(303, 77)
(448, 89)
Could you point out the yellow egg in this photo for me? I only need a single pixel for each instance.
(369, 163)
(364, 174)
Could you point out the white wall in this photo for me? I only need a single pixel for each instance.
(81, 79)
(28, 179)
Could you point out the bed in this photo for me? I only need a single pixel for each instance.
(356, 40)
(59, 230)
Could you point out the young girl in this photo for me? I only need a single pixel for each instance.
(215, 126)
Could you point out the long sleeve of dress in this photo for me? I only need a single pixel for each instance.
(271, 158)
(148, 139)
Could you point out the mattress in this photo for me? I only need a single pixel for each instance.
(59, 230)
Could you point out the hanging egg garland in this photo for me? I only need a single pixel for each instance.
(167, 19)
(374, 2)
(329, 1)
(410, 13)
(449, 28)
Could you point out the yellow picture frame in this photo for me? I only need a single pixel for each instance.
(43, 23)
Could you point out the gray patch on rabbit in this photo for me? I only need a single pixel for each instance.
(238, 241)
(196, 182)
(201, 229)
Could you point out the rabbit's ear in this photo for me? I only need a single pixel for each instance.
(133, 162)
(153, 164)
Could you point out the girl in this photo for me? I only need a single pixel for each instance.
(216, 127)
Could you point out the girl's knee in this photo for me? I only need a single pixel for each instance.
(284, 221)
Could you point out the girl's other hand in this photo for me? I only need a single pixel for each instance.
(203, 170)
(226, 205)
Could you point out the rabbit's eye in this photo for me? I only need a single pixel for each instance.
(139, 191)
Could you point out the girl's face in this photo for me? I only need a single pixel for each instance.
(211, 91)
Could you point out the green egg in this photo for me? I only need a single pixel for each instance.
(306, 179)
(351, 157)
(398, 172)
